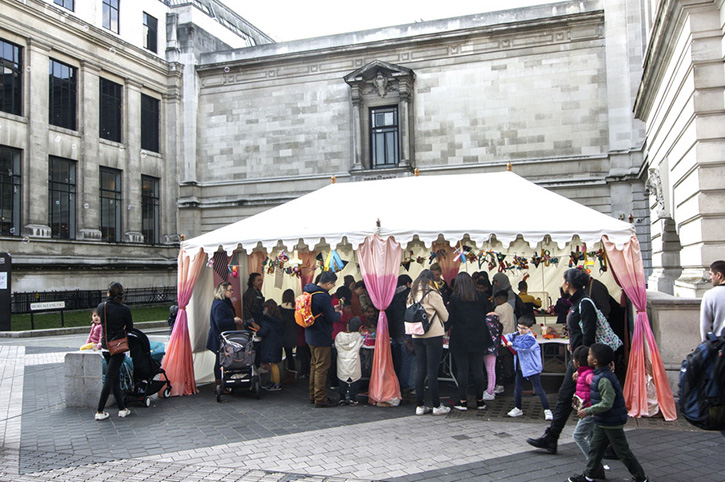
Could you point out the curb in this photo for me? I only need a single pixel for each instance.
(75, 330)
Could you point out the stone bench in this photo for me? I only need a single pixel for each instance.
(84, 379)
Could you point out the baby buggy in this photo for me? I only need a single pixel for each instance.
(148, 376)
(236, 362)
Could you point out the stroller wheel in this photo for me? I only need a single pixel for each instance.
(167, 392)
(257, 388)
(147, 401)
(219, 393)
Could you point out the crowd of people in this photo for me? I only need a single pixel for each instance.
(489, 338)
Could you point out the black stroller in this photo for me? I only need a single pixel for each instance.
(236, 362)
(148, 376)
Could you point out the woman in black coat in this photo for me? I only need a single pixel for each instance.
(223, 317)
(271, 330)
(116, 321)
(469, 337)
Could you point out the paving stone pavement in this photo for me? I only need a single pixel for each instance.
(281, 437)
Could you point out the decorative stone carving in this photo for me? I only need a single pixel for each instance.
(133, 237)
(89, 234)
(654, 187)
(36, 231)
(381, 84)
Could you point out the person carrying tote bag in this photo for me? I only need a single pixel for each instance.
(117, 322)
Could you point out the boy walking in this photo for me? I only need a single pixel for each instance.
(610, 415)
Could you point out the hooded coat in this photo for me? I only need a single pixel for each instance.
(348, 355)
(320, 334)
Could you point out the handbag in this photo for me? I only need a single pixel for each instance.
(119, 345)
(604, 333)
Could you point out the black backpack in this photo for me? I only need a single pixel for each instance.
(702, 385)
(416, 319)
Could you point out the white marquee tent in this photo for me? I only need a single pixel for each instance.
(478, 206)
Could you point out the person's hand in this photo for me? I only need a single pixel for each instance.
(508, 343)
(338, 308)
(574, 376)
(581, 413)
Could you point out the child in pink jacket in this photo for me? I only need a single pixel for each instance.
(582, 398)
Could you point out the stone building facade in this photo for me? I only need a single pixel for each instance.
(548, 88)
(681, 100)
(91, 129)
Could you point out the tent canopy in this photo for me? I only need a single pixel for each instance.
(480, 205)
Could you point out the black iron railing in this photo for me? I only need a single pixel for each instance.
(85, 299)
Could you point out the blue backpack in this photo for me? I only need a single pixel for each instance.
(702, 385)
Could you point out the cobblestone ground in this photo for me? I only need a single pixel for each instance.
(281, 437)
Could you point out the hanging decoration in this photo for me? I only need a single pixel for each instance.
(334, 263)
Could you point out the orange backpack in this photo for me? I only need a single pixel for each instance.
(303, 310)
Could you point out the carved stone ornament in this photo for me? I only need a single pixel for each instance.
(654, 187)
(381, 84)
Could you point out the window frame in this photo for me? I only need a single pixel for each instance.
(108, 11)
(381, 133)
(65, 3)
(14, 66)
(111, 201)
(150, 211)
(150, 123)
(63, 104)
(10, 179)
(151, 34)
(110, 110)
(57, 191)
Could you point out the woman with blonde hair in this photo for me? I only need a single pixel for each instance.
(222, 318)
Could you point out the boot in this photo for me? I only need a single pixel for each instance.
(598, 473)
(547, 442)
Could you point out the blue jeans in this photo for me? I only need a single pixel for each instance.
(583, 433)
(402, 362)
(536, 382)
(428, 352)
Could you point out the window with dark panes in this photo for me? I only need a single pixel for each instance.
(150, 209)
(110, 15)
(149, 123)
(111, 204)
(11, 87)
(62, 198)
(384, 136)
(65, 4)
(111, 100)
(9, 191)
(62, 95)
(150, 26)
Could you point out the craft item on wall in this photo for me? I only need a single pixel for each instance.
(519, 262)
(602, 257)
(535, 259)
(407, 260)
(420, 260)
(234, 260)
(278, 277)
(481, 259)
(334, 263)
(577, 256)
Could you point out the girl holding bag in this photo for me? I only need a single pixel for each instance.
(116, 321)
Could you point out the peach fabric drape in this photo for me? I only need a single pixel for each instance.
(380, 265)
(308, 267)
(178, 362)
(627, 264)
(449, 266)
(254, 261)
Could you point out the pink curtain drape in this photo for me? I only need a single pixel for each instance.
(380, 265)
(627, 264)
(255, 264)
(450, 264)
(178, 362)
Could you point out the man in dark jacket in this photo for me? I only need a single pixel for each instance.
(402, 357)
(319, 337)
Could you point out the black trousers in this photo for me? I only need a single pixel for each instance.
(563, 403)
(112, 381)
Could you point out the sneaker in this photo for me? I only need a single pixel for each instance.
(101, 415)
(441, 410)
(515, 412)
(422, 410)
(480, 405)
(498, 389)
(353, 403)
(124, 413)
(275, 387)
(548, 415)
(579, 478)
(489, 396)
(461, 406)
